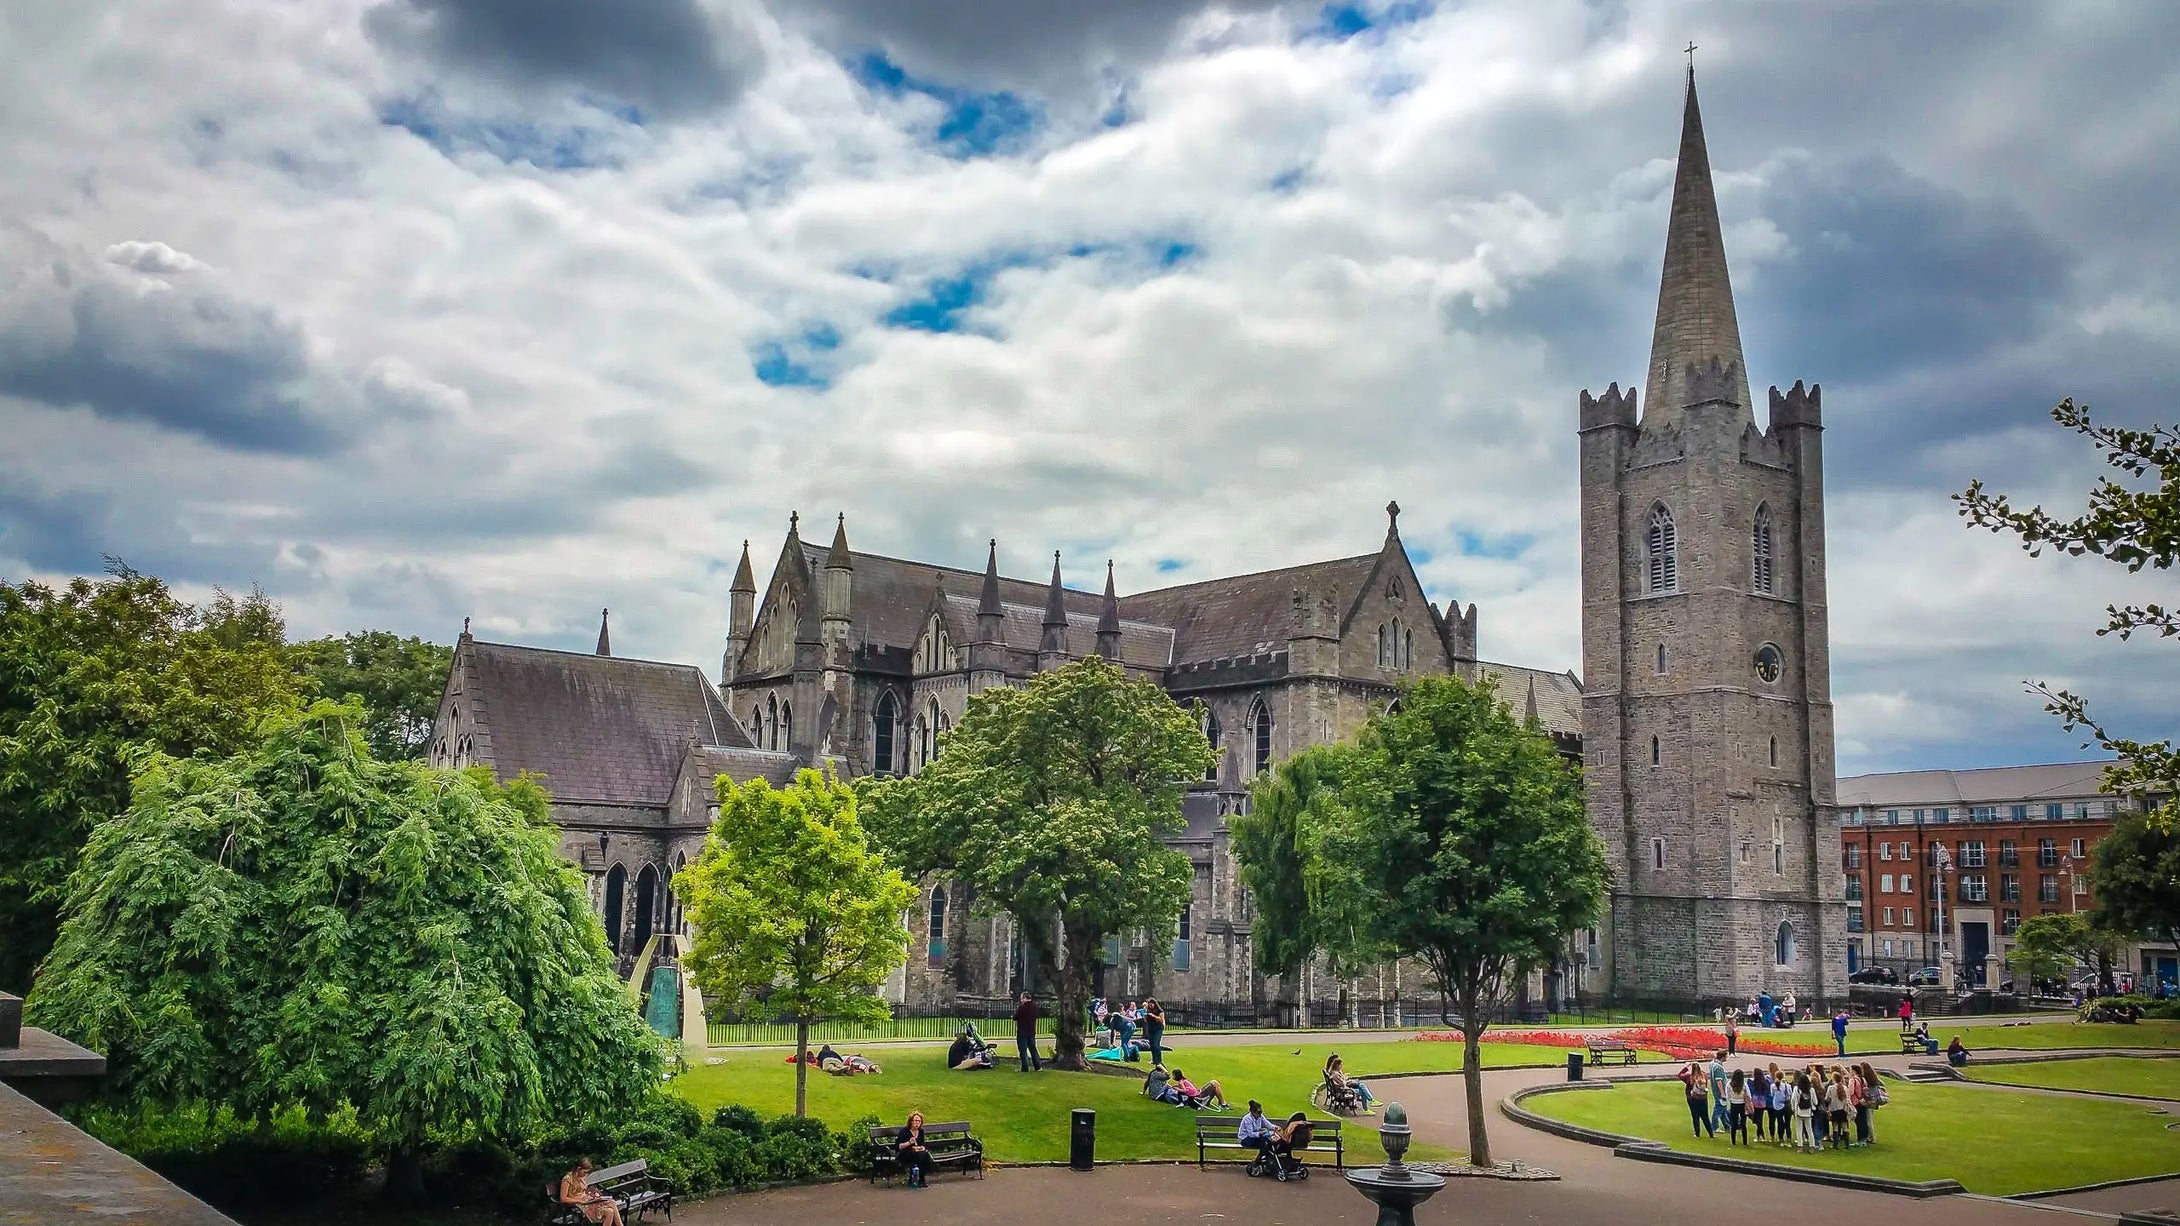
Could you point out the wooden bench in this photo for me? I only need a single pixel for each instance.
(949, 1145)
(1617, 1051)
(1224, 1132)
(631, 1185)
(1911, 1045)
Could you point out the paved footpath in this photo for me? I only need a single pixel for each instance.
(1595, 1188)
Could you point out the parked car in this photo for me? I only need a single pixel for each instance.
(1875, 974)
(1928, 977)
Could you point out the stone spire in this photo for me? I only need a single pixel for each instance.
(991, 626)
(1055, 623)
(1529, 708)
(839, 576)
(605, 641)
(1696, 324)
(1109, 619)
(741, 614)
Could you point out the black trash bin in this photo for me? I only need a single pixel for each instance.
(1574, 1066)
(1082, 1139)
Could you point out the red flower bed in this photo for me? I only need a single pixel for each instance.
(1679, 1042)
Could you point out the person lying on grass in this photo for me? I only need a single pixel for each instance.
(1210, 1094)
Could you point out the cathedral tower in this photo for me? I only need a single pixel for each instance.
(1706, 710)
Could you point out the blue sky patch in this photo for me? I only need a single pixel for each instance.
(1345, 19)
(1509, 546)
(509, 140)
(1167, 566)
(976, 123)
(799, 362)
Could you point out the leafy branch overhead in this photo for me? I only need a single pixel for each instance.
(2135, 528)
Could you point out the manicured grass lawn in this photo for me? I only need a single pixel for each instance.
(1994, 1142)
(1025, 1118)
(2104, 1074)
(2043, 1036)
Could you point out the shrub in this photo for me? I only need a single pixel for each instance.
(733, 1157)
(854, 1147)
(737, 1118)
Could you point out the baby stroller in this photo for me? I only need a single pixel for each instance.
(1338, 1099)
(1277, 1158)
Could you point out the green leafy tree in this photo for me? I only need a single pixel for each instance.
(2135, 528)
(1465, 844)
(796, 917)
(397, 679)
(1277, 846)
(302, 925)
(89, 672)
(1049, 802)
(2135, 873)
(2045, 947)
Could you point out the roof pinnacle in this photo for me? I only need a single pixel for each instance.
(605, 641)
(1055, 600)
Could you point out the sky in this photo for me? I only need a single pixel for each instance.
(407, 311)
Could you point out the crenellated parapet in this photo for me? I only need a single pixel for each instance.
(1614, 408)
(1713, 383)
(1797, 406)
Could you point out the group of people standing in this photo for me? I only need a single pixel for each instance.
(1809, 1108)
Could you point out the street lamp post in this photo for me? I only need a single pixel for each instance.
(1941, 863)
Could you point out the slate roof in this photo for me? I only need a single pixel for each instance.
(1141, 644)
(1221, 618)
(1559, 695)
(1991, 785)
(598, 728)
(891, 595)
(742, 765)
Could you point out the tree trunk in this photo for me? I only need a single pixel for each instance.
(1071, 990)
(1472, 1075)
(1290, 991)
(404, 1173)
(802, 1065)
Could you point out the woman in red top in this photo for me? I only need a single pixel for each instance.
(1907, 1013)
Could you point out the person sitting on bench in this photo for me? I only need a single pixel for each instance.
(1336, 1073)
(1255, 1131)
(909, 1145)
(598, 1208)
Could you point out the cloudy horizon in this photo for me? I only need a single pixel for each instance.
(411, 311)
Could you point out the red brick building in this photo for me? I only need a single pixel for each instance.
(1976, 851)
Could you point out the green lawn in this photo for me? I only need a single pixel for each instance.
(2104, 1074)
(1993, 1142)
(2045, 1036)
(1025, 1118)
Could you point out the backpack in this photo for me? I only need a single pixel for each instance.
(1877, 1096)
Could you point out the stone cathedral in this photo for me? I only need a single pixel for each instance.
(1703, 717)
(1706, 709)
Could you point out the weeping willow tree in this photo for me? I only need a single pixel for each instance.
(301, 925)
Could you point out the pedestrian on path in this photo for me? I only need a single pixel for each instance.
(1737, 1109)
(1733, 1036)
(1716, 1071)
(1154, 1030)
(1839, 1030)
(1907, 1011)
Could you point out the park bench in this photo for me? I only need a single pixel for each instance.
(1911, 1044)
(1609, 1051)
(1224, 1132)
(950, 1145)
(631, 1185)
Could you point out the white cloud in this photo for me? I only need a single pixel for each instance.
(1304, 277)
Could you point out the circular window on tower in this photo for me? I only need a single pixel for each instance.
(1769, 663)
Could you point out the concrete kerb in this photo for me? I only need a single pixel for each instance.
(2094, 1187)
(1640, 1149)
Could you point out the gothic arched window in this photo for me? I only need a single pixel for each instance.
(919, 746)
(616, 883)
(1209, 721)
(1760, 566)
(1260, 722)
(882, 723)
(935, 946)
(680, 921)
(934, 723)
(772, 722)
(1407, 647)
(786, 730)
(1664, 551)
(1783, 944)
(1382, 637)
(757, 725)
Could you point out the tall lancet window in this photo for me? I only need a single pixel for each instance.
(1760, 564)
(1664, 551)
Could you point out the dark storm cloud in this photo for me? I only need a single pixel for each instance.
(1042, 46)
(666, 58)
(1887, 270)
(181, 353)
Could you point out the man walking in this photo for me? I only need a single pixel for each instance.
(1716, 1073)
(1839, 1031)
(1025, 1034)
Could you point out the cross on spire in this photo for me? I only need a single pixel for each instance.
(1691, 50)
